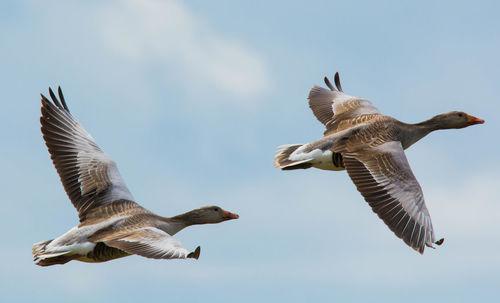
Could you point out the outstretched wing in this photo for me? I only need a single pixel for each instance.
(384, 178)
(331, 107)
(89, 176)
(151, 242)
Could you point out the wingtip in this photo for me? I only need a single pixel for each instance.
(54, 98)
(61, 96)
(195, 254)
(44, 99)
(420, 249)
(439, 242)
(329, 84)
(337, 82)
(51, 92)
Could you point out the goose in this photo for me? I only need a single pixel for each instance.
(370, 146)
(112, 225)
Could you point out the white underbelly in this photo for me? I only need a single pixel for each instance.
(325, 161)
(79, 248)
(75, 241)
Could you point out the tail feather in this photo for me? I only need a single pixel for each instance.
(54, 260)
(38, 249)
(282, 158)
(47, 258)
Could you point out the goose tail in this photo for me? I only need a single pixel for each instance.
(282, 158)
(42, 257)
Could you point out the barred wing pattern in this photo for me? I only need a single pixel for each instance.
(151, 242)
(384, 177)
(332, 107)
(90, 178)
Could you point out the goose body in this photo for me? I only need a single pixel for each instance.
(370, 146)
(111, 225)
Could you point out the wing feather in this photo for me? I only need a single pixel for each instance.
(384, 177)
(151, 242)
(331, 107)
(89, 176)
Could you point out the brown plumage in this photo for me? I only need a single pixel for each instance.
(370, 146)
(111, 225)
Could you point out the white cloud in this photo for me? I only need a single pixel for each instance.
(167, 33)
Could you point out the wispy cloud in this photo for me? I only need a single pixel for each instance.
(167, 33)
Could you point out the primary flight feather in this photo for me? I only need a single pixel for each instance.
(112, 225)
(370, 146)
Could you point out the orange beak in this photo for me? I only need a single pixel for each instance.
(229, 216)
(473, 120)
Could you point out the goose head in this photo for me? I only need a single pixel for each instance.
(455, 119)
(207, 215)
(215, 214)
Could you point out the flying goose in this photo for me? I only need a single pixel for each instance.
(370, 146)
(111, 225)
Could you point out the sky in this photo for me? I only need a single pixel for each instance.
(191, 99)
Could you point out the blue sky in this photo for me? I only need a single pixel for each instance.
(191, 98)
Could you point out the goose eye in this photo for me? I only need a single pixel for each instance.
(460, 115)
(215, 209)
